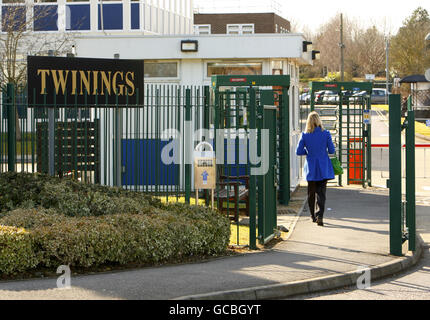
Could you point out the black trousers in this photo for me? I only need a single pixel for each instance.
(316, 196)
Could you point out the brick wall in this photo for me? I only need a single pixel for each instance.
(263, 22)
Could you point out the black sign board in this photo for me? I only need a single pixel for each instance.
(85, 81)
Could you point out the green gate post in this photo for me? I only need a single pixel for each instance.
(252, 178)
(340, 139)
(395, 182)
(284, 159)
(410, 176)
(312, 100)
(11, 127)
(369, 144)
(187, 166)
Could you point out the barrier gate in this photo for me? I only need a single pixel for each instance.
(244, 107)
(347, 117)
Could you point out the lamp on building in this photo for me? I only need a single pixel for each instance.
(307, 46)
(116, 56)
(189, 45)
(428, 37)
(316, 55)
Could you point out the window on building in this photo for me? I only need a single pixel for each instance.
(135, 15)
(45, 18)
(78, 17)
(234, 68)
(161, 69)
(13, 18)
(112, 16)
(202, 29)
(240, 28)
(13, 1)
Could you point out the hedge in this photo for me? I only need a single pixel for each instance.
(45, 231)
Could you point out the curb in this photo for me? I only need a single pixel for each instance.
(335, 281)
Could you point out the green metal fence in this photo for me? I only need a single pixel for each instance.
(115, 145)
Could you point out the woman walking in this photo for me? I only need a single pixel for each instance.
(316, 144)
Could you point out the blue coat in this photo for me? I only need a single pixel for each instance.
(316, 147)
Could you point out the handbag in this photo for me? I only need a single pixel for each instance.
(337, 168)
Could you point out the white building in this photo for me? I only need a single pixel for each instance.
(165, 63)
(105, 16)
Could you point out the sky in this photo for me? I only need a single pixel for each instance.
(387, 15)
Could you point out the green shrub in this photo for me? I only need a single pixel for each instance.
(64, 222)
(16, 250)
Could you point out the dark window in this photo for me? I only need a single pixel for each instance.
(112, 17)
(13, 18)
(135, 16)
(45, 18)
(78, 17)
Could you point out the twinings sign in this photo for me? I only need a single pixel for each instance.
(84, 81)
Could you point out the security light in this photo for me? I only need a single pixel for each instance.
(189, 46)
(428, 37)
(307, 46)
(316, 55)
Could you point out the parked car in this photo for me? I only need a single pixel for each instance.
(305, 98)
(329, 97)
(319, 95)
(379, 96)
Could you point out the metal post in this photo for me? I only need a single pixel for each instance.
(369, 145)
(410, 177)
(187, 165)
(51, 134)
(387, 71)
(118, 138)
(11, 127)
(395, 182)
(285, 149)
(252, 179)
(342, 48)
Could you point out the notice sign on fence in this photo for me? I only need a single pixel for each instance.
(84, 81)
(367, 117)
(204, 173)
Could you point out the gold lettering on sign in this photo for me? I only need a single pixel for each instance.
(92, 82)
(106, 82)
(129, 82)
(60, 81)
(44, 73)
(121, 86)
(85, 81)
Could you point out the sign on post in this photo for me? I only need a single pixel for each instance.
(81, 80)
(367, 119)
(204, 170)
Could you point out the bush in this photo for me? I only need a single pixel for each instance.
(52, 239)
(54, 222)
(69, 197)
(16, 250)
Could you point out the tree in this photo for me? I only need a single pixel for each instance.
(21, 38)
(369, 51)
(408, 53)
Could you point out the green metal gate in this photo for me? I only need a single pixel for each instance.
(347, 117)
(248, 108)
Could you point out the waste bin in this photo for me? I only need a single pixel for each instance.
(355, 161)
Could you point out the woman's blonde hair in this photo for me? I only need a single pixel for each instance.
(313, 122)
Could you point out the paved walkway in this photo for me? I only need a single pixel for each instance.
(355, 235)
